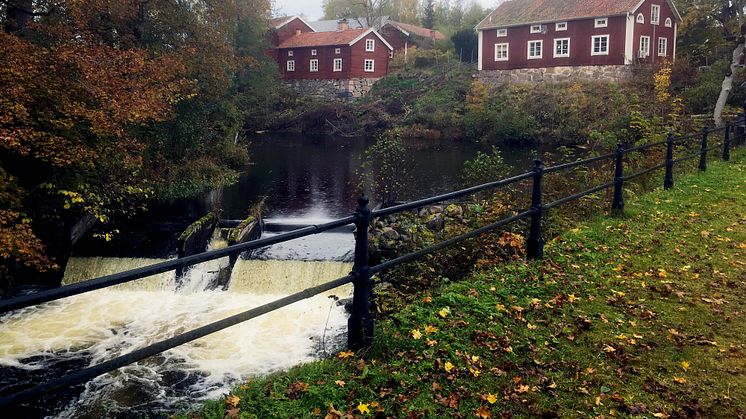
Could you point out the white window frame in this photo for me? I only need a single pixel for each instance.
(535, 28)
(669, 23)
(370, 45)
(655, 14)
(507, 52)
(290, 53)
(313, 65)
(391, 53)
(501, 32)
(565, 55)
(601, 22)
(662, 42)
(645, 52)
(593, 44)
(313, 52)
(560, 26)
(290, 66)
(640, 18)
(372, 65)
(337, 51)
(541, 50)
(337, 65)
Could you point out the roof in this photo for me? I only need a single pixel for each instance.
(523, 12)
(321, 39)
(281, 21)
(353, 22)
(408, 29)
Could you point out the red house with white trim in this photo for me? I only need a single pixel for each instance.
(552, 34)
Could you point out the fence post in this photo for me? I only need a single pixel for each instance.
(668, 180)
(617, 206)
(703, 150)
(360, 323)
(534, 243)
(726, 143)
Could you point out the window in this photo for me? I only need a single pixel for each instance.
(560, 26)
(337, 50)
(601, 22)
(291, 65)
(337, 64)
(640, 18)
(502, 32)
(313, 52)
(600, 45)
(668, 22)
(314, 65)
(655, 14)
(535, 28)
(644, 46)
(369, 66)
(391, 53)
(534, 49)
(662, 47)
(561, 47)
(290, 53)
(370, 45)
(501, 52)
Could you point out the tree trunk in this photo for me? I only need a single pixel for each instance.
(18, 15)
(728, 83)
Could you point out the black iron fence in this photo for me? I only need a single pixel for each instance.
(360, 323)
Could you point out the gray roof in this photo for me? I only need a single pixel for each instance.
(331, 25)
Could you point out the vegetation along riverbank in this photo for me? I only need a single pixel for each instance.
(633, 315)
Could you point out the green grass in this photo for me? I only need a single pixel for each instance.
(639, 315)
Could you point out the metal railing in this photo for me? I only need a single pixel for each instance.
(361, 323)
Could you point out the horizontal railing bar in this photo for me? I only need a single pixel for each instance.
(644, 146)
(435, 199)
(579, 195)
(683, 138)
(169, 265)
(687, 157)
(418, 254)
(644, 172)
(577, 163)
(86, 374)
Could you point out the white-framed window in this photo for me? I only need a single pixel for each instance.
(314, 65)
(655, 14)
(337, 51)
(535, 49)
(600, 45)
(291, 65)
(391, 53)
(502, 32)
(669, 23)
(313, 52)
(535, 28)
(501, 52)
(370, 45)
(290, 53)
(644, 46)
(640, 18)
(561, 47)
(662, 47)
(337, 64)
(369, 66)
(601, 22)
(560, 26)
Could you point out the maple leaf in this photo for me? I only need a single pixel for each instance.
(363, 407)
(662, 273)
(483, 412)
(572, 298)
(427, 299)
(333, 413)
(609, 348)
(685, 365)
(431, 342)
(430, 329)
(416, 334)
(491, 398)
(448, 366)
(340, 383)
(444, 312)
(680, 380)
(232, 400)
(475, 372)
(345, 354)
(522, 389)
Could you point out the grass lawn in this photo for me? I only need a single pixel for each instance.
(640, 315)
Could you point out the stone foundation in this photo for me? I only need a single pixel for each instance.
(606, 73)
(332, 89)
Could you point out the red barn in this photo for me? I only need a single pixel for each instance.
(549, 34)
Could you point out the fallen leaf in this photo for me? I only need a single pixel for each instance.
(483, 412)
(448, 366)
(232, 401)
(340, 383)
(491, 398)
(363, 407)
(685, 365)
(416, 334)
(345, 354)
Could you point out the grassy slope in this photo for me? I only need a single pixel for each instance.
(639, 315)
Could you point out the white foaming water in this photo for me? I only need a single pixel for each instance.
(103, 324)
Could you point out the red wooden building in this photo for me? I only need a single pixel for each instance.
(343, 54)
(283, 28)
(554, 33)
(402, 36)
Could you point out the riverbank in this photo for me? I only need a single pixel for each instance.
(638, 315)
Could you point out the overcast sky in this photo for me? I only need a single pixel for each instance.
(312, 8)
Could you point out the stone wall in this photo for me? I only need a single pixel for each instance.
(332, 89)
(556, 74)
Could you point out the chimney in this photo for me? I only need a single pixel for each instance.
(342, 25)
(297, 32)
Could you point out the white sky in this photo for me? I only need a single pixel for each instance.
(312, 8)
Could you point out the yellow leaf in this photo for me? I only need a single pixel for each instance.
(444, 312)
(571, 298)
(448, 366)
(660, 415)
(609, 348)
(416, 334)
(431, 342)
(363, 407)
(662, 273)
(522, 389)
(430, 329)
(474, 372)
(621, 336)
(531, 326)
(340, 383)
(685, 365)
(345, 354)
(232, 401)
(680, 380)
(491, 398)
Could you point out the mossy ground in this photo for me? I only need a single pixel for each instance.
(640, 315)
